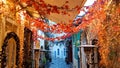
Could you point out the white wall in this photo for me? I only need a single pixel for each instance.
(54, 50)
(42, 42)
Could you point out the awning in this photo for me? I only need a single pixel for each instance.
(58, 18)
(61, 17)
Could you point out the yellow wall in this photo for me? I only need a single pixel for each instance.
(8, 23)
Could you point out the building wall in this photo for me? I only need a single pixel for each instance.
(42, 42)
(75, 44)
(58, 50)
(9, 23)
(75, 60)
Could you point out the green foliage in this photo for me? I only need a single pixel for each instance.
(77, 43)
(44, 60)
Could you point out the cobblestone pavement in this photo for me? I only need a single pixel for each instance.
(59, 63)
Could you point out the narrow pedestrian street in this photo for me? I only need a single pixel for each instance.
(59, 33)
(59, 63)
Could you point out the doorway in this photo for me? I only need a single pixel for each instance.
(10, 51)
(28, 49)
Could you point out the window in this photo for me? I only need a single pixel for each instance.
(64, 51)
(58, 51)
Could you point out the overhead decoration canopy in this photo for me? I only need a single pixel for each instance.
(64, 17)
(59, 11)
(92, 14)
(34, 10)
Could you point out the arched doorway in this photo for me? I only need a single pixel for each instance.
(10, 51)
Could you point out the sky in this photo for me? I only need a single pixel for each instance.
(87, 3)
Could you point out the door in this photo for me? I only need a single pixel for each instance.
(28, 49)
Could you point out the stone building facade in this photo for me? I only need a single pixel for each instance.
(15, 37)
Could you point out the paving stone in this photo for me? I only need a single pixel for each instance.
(59, 63)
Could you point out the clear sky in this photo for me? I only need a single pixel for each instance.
(89, 2)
